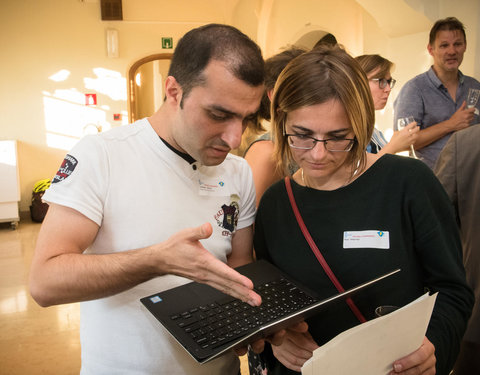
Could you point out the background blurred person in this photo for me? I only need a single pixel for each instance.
(436, 98)
(378, 70)
(458, 169)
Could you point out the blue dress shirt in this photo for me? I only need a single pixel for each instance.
(428, 101)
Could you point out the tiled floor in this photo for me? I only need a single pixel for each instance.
(34, 340)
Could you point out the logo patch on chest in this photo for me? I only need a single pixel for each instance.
(227, 216)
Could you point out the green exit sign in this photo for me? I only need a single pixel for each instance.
(167, 43)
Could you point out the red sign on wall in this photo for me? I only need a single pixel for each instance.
(90, 99)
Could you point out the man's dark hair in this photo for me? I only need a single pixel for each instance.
(449, 24)
(273, 67)
(224, 43)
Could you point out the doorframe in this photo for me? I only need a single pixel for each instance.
(131, 81)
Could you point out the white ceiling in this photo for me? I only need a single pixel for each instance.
(399, 17)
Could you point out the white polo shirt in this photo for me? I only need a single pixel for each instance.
(140, 193)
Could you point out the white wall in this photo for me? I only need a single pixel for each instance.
(288, 21)
(40, 38)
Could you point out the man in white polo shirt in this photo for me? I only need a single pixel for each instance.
(143, 207)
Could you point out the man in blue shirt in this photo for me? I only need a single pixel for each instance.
(437, 98)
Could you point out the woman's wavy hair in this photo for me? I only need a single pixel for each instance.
(315, 77)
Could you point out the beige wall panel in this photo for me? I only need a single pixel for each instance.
(40, 39)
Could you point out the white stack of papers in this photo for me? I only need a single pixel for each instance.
(372, 347)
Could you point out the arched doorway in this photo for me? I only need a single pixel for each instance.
(146, 81)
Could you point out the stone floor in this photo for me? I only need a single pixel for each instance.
(34, 340)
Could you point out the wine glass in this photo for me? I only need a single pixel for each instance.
(401, 123)
(472, 99)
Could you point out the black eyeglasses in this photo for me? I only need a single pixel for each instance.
(382, 82)
(305, 142)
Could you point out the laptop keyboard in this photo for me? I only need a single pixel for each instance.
(227, 319)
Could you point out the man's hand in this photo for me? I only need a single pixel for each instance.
(421, 361)
(62, 273)
(183, 255)
(462, 118)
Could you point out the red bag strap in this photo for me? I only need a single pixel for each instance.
(317, 252)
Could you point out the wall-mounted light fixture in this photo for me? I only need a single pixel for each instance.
(112, 43)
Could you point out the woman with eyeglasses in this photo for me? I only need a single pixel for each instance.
(323, 119)
(378, 71)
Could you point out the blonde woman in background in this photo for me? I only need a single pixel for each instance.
(378, 71)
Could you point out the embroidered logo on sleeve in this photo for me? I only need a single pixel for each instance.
(66, 169)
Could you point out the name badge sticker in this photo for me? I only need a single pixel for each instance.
(376, 239)
(211, 187)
